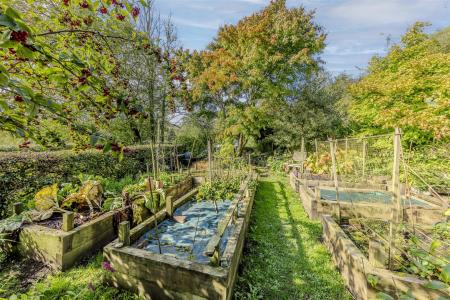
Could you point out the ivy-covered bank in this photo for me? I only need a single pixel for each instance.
(284, 258)
(23, 173)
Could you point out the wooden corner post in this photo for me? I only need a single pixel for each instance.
(17, 208)
(68, 218)
(397, 198)
(124, 233)
(169, 205)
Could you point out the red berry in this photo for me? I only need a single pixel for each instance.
(82, 80)
(120, 17)
(103, 10)
(115, 147)
(19, 36)
(84, 4)
(86, 72)
(135, 12)
(66, 2)
(18, 98)
(12, 51)
(105, 92)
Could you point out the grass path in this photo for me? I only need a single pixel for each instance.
(284, 258)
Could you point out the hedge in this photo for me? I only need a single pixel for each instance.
(23, 173)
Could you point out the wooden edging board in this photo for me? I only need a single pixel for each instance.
(60, 249)
(357, 272)
(159, 276)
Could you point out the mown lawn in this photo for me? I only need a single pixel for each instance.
(284, 258)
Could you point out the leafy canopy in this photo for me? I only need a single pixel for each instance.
(408, 88)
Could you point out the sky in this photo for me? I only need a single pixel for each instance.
(356, 29)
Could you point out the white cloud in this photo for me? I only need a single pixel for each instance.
(371, 12)
(357, 29)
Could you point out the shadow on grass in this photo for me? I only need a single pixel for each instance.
(283, 257)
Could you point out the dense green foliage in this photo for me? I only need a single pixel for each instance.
(408, 88)
(219, 190)
(283, 257)
(23, 173)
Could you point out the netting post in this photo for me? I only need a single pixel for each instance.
(209, 161)
(335, 178)
(316, 145)
(302, 162)
(397, 198)
(364, 154)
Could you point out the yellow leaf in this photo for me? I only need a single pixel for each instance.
(46, 198)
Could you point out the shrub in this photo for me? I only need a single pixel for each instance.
(23, 173)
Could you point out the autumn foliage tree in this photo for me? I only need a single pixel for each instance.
(251, 67)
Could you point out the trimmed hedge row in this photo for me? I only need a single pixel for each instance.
(23, 173)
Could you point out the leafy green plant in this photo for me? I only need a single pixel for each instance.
(275, 163)
(219, 189)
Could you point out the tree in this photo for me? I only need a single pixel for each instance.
(312, 112)
(63, 61)
(250, 68)
(408, 88)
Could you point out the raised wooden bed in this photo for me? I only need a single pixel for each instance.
(62, 249)
(173, 192)
(160, 276)
(315, 206)
(357, 272)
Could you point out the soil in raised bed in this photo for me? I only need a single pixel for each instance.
(55, 222)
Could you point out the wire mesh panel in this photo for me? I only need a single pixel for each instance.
(365, 159)
(427, 169)
(408, 216)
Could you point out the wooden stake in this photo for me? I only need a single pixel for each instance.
(124, 233)
(209, 161)
(67, 224)
(364, 154)
(169, 206)
(303, 156)
(397, 198)
(335, 178)
(316, 145)
(17, 208)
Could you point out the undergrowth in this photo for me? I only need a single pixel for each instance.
(84, 282)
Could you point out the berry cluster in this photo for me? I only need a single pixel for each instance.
(19, 36)
(84, 4)
(135, 12)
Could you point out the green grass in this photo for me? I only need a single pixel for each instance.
(284, 258)
(82, 282)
